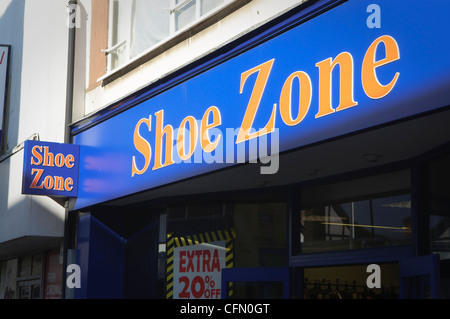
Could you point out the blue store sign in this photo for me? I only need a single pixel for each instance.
(50, 169)
(320, 78)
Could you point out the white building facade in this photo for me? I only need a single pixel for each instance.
(35, 34)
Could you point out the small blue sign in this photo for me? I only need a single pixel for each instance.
(50, 169)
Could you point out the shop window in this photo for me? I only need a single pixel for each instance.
(8, 279)
(21, 277)
(361, 213)
(439, 206)
(139, 25)
(29, 277)
(53, 275)
(350, 282)
(36, 267)
(203, 239)
(25, 264)
(30, 289)
(439, 217)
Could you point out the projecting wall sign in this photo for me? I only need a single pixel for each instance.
(50, 169)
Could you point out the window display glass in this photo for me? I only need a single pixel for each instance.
(361, 213)
(439, 206)
(350, 282)
(202, 239)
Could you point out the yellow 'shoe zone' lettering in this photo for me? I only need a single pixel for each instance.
(291, 112)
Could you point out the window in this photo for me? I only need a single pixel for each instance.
(4, 61)
(138, 25)
(30, 265)
(349, 282)
(363, 213)
(8, 279)
(29, 276)
(204, 238)
(439, 206)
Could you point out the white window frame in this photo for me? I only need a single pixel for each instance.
(123, 43)
(174, 8)
(172, 33)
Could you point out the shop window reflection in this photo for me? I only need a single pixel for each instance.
(204, 238)
(352, 216)
(439, 206)
(257, 290)
(260, 228)
(349, 282)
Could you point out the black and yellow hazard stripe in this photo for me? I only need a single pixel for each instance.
(169, 266)
(229, 260)
(195, 239)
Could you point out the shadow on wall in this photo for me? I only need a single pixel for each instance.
(23, 230)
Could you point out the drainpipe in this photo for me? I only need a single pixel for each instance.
(72, 4)
(68, 221)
